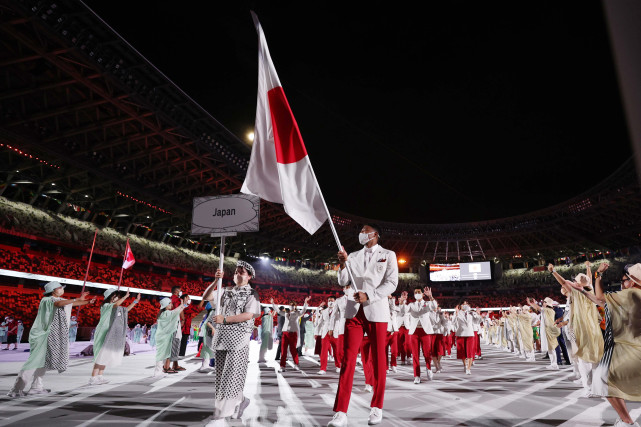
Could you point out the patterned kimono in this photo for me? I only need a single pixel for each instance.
(231, 342)
(109, 338)
(618, 373)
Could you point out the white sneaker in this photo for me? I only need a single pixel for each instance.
(39, 391)
(578, 381)
(339, 420)
(417, 380)
(394, 369)
(205, 370)
(102, 380)
(241, 408)
(468, 372)
(619, 423)
(430, 374)
(554, 367)
(297, 368)
(369, 388)
(13, 394)
(281, 369)
(338, 370)
(93, 381)
(375, 416)
(321, 372)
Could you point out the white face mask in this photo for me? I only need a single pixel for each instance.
(465, 307)
(349, 291)
(418, 297)
(363, 238)
(330, 304)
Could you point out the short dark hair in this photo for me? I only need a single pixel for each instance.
(183, 296)
(173, 288)
(376, 228)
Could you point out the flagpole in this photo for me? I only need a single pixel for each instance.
(220, 280)
(331, 224)
(124, 257)
(88, 265)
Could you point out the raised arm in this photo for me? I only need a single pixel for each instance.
(598, 300)
(588, 272)
(119, 301)
(533, 304)
(136, 301)
(83, 300)
(565, 283)
(598, 283)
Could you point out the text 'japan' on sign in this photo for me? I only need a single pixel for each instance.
(224, 214)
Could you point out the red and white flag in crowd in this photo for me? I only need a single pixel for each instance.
(279, 168)
(129, 257)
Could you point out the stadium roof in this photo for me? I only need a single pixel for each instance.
(87, 121)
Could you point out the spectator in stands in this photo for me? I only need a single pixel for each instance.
(49, 336)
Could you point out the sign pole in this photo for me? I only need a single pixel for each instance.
(220, 281)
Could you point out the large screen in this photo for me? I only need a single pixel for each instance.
(465, 271)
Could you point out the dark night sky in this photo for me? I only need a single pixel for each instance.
(460, 111)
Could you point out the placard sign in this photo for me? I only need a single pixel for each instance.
(225, 214)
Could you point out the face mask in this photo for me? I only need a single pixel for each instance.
(330, 304)
(363, 238)
(349, 292)
(465, 307)
(418, 296)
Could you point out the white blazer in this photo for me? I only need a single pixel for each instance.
(421, 311)
(404, 316)
(327, 320)
(378, 280)
(339, 315)
(464, 324)
(394, 310)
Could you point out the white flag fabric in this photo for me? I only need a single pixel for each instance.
(279, 168)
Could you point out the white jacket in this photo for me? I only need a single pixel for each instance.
(421, 311)
(339, 315)
(378, 280)
(327, 321)
(439, 323)
(292, 319)
(464, 323)
(394, 310)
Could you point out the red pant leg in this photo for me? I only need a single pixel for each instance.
(400, 341)
(416, 345)
(325, 343)
(392, 344)
(339, 348)
(284, 345)
(334, 345)
(352, 341)
(366, 358)
(477, 338)
(293, 340)
(377, 332)
(427, 343)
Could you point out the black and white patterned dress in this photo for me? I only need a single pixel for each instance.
(57, 356)
(231, 342)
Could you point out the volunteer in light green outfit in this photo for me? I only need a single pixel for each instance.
(48, 339)
(168, 319)
(109, 337)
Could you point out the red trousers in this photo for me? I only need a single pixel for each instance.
(377, 334)
(465, 347)
(403, 343)
(325, 346)
(424, 342)
(438, 349)
(477, 340)
(366, 358)
(392, 344)
(289, 340)
(339, 348)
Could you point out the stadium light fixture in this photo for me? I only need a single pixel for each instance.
(402, 261)
(250, 136)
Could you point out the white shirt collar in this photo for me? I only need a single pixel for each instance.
(372, 249)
